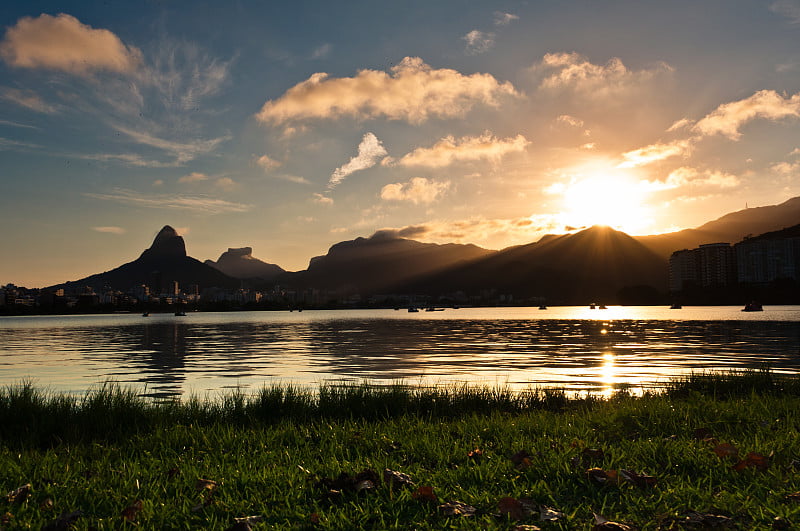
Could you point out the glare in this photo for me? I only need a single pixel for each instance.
(608, 374)
(607, 199)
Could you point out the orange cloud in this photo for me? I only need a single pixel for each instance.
(412, 91)
(654, 153)
(193, 178)
(467, 148)
(370, 152)
(729, 117)
(417, 190)
(64, 43)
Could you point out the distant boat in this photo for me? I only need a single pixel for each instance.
(602, 307)
(592, 306)
(180, 313)
(675, 306)
(432, 309)
(753, 306)
(145, 314)
(412, 309)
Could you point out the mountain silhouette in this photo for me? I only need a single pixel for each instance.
(730, 228)
(163, 262)
(240, 263)
(593, 264)
(381, 263)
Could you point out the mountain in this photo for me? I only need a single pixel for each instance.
(592, 265)
(240, 263)
(382, 263)
(730, 228)
(163, 262)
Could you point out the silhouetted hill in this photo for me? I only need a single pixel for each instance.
(163, 262)
(730, 228)
(381, 263)
(591, 265)
(240, 263)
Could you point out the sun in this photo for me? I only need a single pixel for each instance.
(607, 199)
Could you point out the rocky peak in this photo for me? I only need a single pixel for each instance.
(167, 243)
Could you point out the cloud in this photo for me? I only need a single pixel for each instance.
(654, 153)
(7, 144)
(267, 163)
(467, 148)
(109, 230)
(64, 43)
(201, 204)
(291, 178)
(787, 8)
(573, 71)
(691, 177)
(225, 183)
(370, 152)
(158, 182)
(729, 117)
(569, 120)
(683, 123)
(193, 178)
(27, 99)
(17, 124)
(322, 199)
(786, 168)
(413, 92)
(182, 151)
(322, 51)
(504, 19)
(478, 42)
(131, 159)
(417, 190)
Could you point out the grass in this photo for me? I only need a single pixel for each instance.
(292, 457)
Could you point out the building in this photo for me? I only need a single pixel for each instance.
(710, 265)
(769, 257)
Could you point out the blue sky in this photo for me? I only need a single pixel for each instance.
(290, 126)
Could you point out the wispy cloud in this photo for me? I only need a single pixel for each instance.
(193, 178)
(202, 204)
(322, 51)
(64, 43)
(574, 71)
(654, 153)
(687, 177)
(130, 159)
(504, 19)
(27, 99)
(182, 151)
(8, 144)
(478, 42)
(370, 152)
(417, 190)
(109, 230)
(412, 91)
(17, 124)
(467, 148)
(787, 8)
(321, 199)
(729, 117)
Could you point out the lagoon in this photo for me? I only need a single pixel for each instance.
(574, 348)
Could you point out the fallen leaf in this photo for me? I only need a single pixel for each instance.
(526, 527)
(795, 496)
(424, 494)
(130, 512)
(19, 494)
(780, 522)
(706, 520)
(757, 461)
(702, 434)
(47, 504)
(457, 508)
(64, 522)
(521, 460)
(391, 478)
(643, 481)
(726, 450)
(205, 484)
(604, 524)
(249, 519)
(475, 454)
(516, 509)
(548, 514)
(603, 477)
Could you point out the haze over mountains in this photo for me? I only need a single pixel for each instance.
(592, 264)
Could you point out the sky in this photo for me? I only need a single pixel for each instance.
(290, 126)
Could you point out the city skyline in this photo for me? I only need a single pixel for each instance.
(287, 128)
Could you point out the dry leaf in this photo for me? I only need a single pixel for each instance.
(391, 478)
(457, 508)
(521, 460)
(726, 450)
(424, 494)
(604, 524)
(516, 509)
(130, 512)
(205, 484)
(795, 496)
(47, 504)
(526, 527)
(548, 514)
(63, 522)
(19, 494)
(475, 454)
(643, 481)
(706, 520)
(757, 461)
(602, 477)
(702, 434)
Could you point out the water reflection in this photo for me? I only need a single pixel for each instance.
(169, 356)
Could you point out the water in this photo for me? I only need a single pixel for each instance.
(575, 348)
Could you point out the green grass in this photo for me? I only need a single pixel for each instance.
(278, 453)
